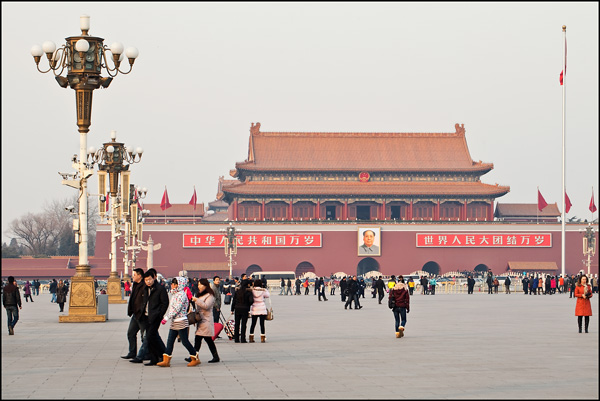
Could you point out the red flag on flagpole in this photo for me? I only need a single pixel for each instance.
(567, 203)
(164, 204)
(592, 204)
(193, 200)
(541, 201)
(561, 77)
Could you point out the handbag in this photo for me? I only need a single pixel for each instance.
(391, 302)
(227, 299)
(194, 316)
(270, 311)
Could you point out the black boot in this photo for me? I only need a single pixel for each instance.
(579, 321)
(587, 323)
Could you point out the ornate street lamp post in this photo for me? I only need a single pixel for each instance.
(230, 246)
(83, 58)
(589, 245)
(114, 159)
(133, 229)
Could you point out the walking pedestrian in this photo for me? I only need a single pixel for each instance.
(217, 294)
(343, 288)
(379, 284)
(525, 283)
(61, 295)
(127, 288)
(507, 285)
(282, 286)
(27, 291)
(53, 286)
(297, 284)
(205, 328)
(289, 287)
(583, 307)
(240, 306)
(36, 286)
(306, 284)
(156, 303)
(11, 299)
(353, 294)
(411, 286)
(400, 299)
(572, 284)
(471, 285)
(177, 312)
(321, 284)
(432, 283)
(138, 322)
(258, 310)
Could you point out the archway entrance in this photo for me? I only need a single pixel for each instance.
(431, 268)
(366, 265)
(253, 269)
(304, 267)
(481, 268)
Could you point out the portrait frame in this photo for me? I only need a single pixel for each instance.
(376, 246)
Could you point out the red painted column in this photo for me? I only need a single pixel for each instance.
(262, 210)
(235, 210)
(490, 216)
(463, 211)
(436, 211)
(409, 213)
(382, 214)
(345, 212)
(291, 215)
(318, 210)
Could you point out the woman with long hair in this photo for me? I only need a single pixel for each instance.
(61, 295)
(205, 328)
(583, 293)
(258, 310)
(400, 303)
(240, 305)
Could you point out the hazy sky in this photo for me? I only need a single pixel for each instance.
(206, 71)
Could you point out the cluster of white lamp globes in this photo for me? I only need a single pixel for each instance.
(84, 54)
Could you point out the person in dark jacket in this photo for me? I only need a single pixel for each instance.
(156, 302)
(321, 284)
(52, 290)
(61, 295)
(240, 306)
(11, 298)
(525, 283)
(401, 300)
(138, 322)
(343, 288)
(353, 294)
(379, 284)
(470, 284)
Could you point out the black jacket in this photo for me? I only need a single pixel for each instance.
(11, 295)
(379, 284)
(136, 300)
(242, 300)
(157, 301)
(352, 287)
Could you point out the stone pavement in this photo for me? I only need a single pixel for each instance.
(476, 346)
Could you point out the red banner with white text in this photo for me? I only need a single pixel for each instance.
(302, 240)
(478, 240)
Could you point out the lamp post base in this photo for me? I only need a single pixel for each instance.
(113, 289)
(82, 302)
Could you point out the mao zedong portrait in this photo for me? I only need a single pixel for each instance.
(368, 247)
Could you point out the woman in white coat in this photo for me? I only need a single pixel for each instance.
(258, 310)
(205, 300)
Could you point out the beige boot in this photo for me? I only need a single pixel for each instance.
(401, 331)
(263, 338)
(195, 360)
(251, 338)
(397, 334)
(166, 362)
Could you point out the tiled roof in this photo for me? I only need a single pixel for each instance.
(324, 188)
(533, 266)
(525, 210)
(176, 209)
(358, 151)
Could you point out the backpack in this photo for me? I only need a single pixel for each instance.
(391, 302)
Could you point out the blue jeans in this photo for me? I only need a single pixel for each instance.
(12, 313)
(282, 290)
(399, 313)
(183, 334)
(53, 297)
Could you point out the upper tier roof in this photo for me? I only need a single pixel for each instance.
(358, 151)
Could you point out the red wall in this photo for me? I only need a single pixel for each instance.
(399, 254)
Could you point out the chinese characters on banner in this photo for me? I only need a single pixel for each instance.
(493, 240)
(309, 240)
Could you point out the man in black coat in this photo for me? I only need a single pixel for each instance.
(379, 284)
(525, 283)
(11, 299)
(470, 284)
(156, 303)
(138, 322)
(343, 288)
(353, 294)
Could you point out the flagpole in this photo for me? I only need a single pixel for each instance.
(564, 124)
(537, 209)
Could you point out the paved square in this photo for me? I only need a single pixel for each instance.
(476, 346)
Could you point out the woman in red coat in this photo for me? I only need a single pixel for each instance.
(583, 293)
(399, 302)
